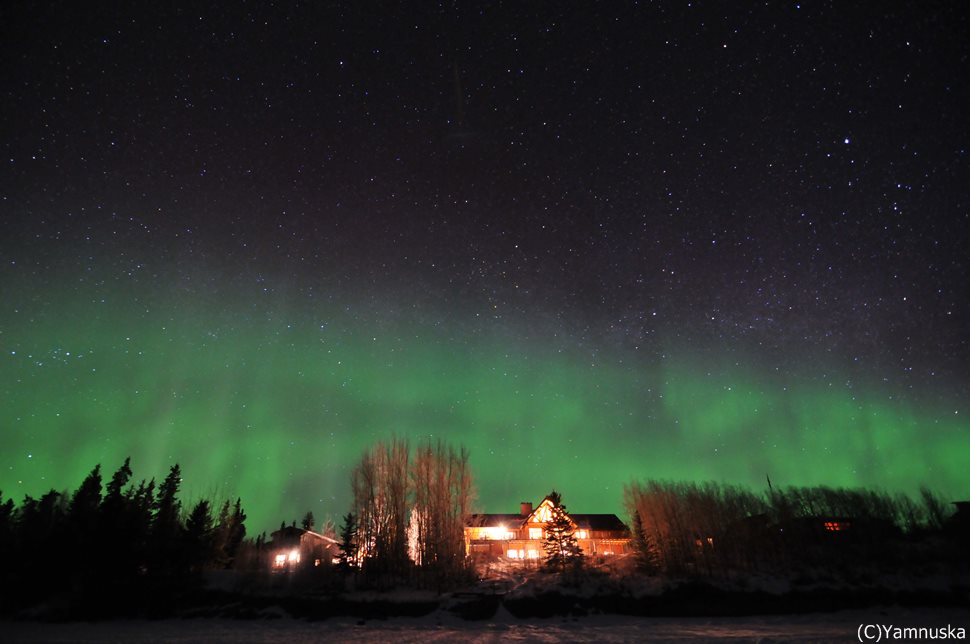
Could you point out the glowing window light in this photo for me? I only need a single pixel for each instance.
(535, 533)
(280, 560)
(544, 513)
(294, 556)
(500, 533)
(582, 534)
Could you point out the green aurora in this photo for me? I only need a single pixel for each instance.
(276, 408)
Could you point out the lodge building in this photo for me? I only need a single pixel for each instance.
(292, 548)
(519, 536)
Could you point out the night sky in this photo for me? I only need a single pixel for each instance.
(696, 241)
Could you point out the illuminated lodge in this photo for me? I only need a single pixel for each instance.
(519, 536)
(293, 548)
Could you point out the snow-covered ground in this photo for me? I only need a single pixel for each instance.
(444, 627)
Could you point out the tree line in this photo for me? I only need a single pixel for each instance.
(113, 540)
(105, 541)
(712, 529)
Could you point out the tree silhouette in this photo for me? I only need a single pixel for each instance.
(198, 537)
(348, 542)
(166, 525)
(228, 534)
(307, 521)
(645, 550)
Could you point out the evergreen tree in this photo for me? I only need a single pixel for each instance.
(560, 545)
(229, 533)
(115, 506)
(647, 558)
(83, 527)
(116, 548)
(348, 542)
(167, 525)
(118, 481)
(307, 521)
(220, 535)
(198, 536)
(6, 522)
(167, 506)
(237, 530)
(43, 529)
(7, 515)
(85, 504)
(141, 502)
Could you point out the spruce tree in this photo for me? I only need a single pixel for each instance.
(560, 544)
(348, 542)
(228, 533)
(308, 521)
(647, 558)
(166, 530)
(197, 538)
(237, 532)
(83, 512)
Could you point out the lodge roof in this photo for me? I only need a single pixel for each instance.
(598, 522)
(293, 533)
(606, 522)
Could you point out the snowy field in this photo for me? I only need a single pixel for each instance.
(442, 627)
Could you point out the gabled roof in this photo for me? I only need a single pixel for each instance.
(293, 533)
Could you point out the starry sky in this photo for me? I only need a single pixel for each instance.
(591, 242)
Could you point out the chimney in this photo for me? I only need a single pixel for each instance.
(525, 508)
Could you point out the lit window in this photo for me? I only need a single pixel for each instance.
(513, 553)
(535, 533)
(294, 556)
(835, 526)
(533, 554)
(280, 560)
(495, 533)
(544, 513)
(582, 534)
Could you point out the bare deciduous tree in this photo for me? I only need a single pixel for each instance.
(443, 491)
(380, 487)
